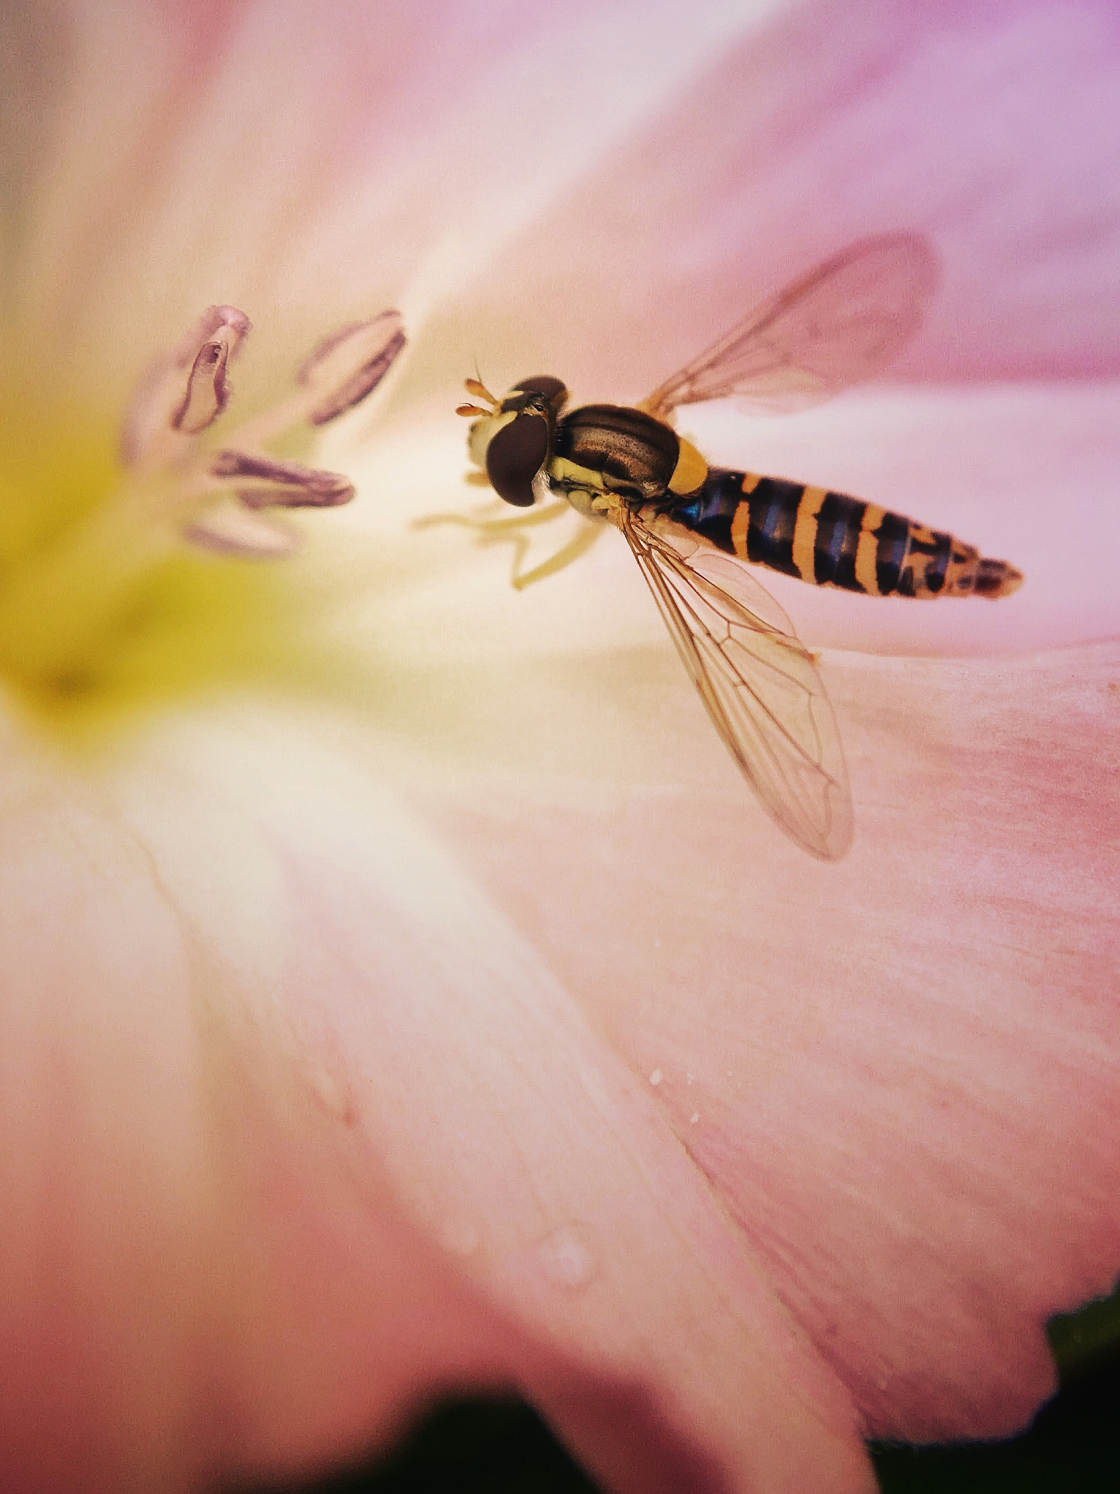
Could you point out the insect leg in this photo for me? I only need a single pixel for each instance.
(540, 514)
(578, 545)
(511, 528)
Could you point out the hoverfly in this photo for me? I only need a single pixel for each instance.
(691, 526)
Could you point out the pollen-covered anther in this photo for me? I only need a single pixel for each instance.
(264, 482)
(349, 365)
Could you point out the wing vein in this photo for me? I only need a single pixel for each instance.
(838, 325)
(760, 686)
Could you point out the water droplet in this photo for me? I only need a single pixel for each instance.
(566, 1258)
(656, 1077)
(694, 1117)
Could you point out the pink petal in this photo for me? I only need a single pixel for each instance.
(509, 1131)
(246, 1094)
(308, 1034)
(898, 1073)
(194, 1277)
(839, 125)
(341, 156)
(811, 129)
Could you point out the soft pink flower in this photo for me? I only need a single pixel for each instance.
(399, 989)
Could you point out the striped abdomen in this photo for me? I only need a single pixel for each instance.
(833, 540)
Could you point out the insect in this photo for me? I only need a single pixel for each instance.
(691, 526)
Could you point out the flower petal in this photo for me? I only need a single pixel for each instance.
(379, 160)
(813, 126)
(201, 1272)
(282, 1015)
(415, 1016)
(900, 1073)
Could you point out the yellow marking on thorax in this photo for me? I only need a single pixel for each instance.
(805, 531)
(562, 469)
(867, 549)
(690, 471)
(750, 481)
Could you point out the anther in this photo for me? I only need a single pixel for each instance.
(217, 497)
(165, 402)
(264, 482)
(207, 392)
(350, 364)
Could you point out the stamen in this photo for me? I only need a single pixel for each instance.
(164, 403)
(214, 497)
(215, 321)
(207, 393)
(280, 484)
(350, 364)
(99, 600)
(230, 529)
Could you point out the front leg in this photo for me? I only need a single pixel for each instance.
(580, 542)
(511, 527)
(497, 526)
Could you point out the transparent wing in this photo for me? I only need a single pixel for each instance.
(840, 323)
(759, 683)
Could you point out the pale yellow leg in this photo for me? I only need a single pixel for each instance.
(578, 545)
(522, 519)
(510, 527)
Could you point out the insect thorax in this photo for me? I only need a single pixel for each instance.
(611, 449)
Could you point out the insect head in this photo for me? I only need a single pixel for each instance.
(513, 439)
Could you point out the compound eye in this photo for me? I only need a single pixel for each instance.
(515, 455)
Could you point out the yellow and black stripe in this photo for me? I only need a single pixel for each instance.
(833, 540)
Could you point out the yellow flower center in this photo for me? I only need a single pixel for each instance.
(135, 569)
